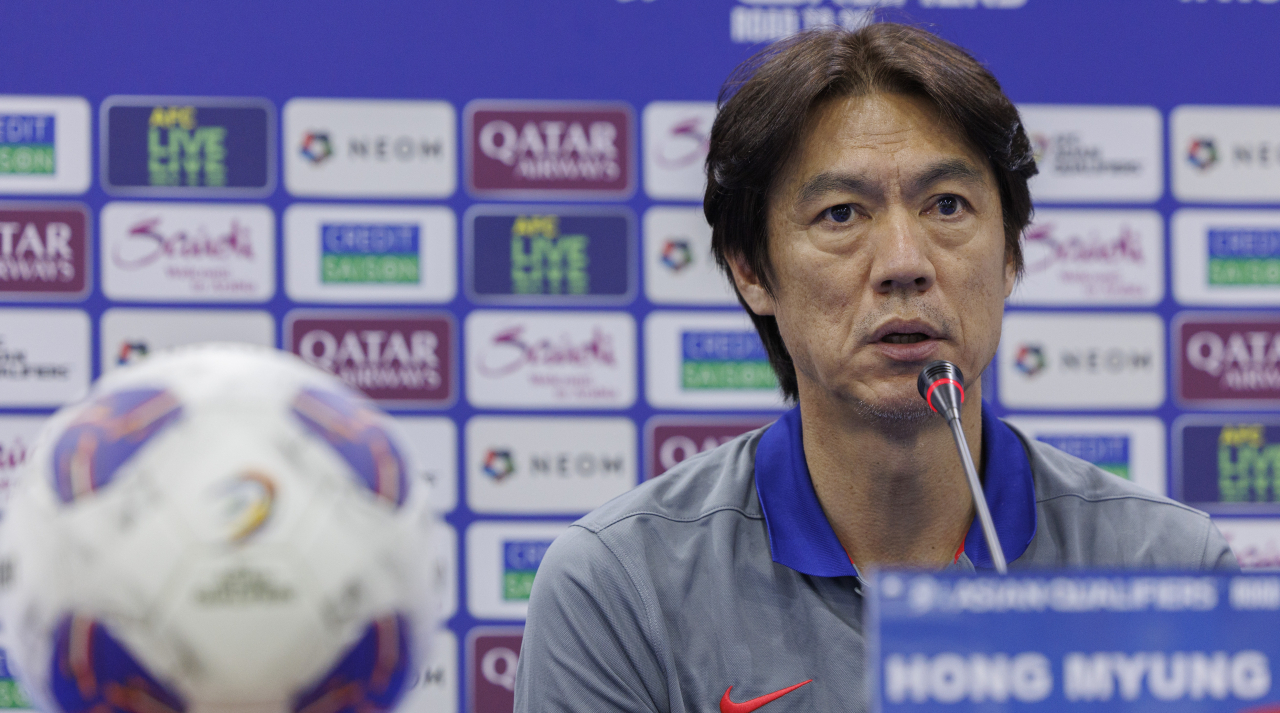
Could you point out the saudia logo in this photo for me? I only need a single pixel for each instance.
(1244, 256)
(1248, 466)
(510, 351)
(1050, 249)
(146, 241)
(180, 152)
(545, 262)
(686, 143)
(554, 149)
(27, 144)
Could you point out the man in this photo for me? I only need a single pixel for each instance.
(867, 192)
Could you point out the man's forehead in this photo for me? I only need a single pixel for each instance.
(879, 132)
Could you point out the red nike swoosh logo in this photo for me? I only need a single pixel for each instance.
(728, 706)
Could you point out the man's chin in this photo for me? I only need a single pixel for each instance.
(899, 410)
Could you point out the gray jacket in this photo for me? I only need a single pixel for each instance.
(665, 597)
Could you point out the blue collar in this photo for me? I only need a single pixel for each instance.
(801, 538)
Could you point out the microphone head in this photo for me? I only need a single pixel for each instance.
(941, 385)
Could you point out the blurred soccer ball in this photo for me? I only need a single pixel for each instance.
(219, 528)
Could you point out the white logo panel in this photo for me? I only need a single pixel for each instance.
(552, 360)
(1078, 257)
(1082, 361)
(1133, 448)
(44, 357)
(678, 265)
(529, 464)
(434, 686)
(502, 558)
(1226, 257)
(1225, 154)
(370, 148)
(130, 335)
(677, 136)
(1105, 154)
(188, 252)
(432, 450)
(1254, 541)
(370, 254)
(44, 144)
(17, 437)
(707, 360)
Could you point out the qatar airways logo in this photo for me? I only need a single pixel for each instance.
(550, 359)
(1236, 359)
(398, 360)
(550, 149)
(188, 252)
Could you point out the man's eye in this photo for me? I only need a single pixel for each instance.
(949, 205)
(840, 213)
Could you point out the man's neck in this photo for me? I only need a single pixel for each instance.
(894, 491)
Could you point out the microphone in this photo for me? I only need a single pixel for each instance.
(941, 384)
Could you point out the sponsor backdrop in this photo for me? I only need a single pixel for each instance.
(487, 217)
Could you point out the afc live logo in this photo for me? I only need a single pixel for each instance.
(539, 256)
(176, 146)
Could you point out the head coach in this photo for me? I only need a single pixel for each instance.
(867, 192)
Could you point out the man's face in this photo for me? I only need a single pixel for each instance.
(887, 243)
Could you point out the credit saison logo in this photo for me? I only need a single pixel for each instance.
(369, 253)
(1244, 256)
(27, 144)
(520, 561)
(528, 258)
(725, 360)
(193, 146)
(1229, 464)
(1109, 452)
(545, 149)
(43, 251)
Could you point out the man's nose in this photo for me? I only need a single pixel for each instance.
(901, 261)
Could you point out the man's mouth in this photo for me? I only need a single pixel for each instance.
(904, 338)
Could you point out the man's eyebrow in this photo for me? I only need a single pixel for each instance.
(831, 182)
(956, 169)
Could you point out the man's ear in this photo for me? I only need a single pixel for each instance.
(1010, 274)
(750, 287)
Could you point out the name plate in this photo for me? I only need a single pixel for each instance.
(1074, 642)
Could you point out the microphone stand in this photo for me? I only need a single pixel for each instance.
(941, 381)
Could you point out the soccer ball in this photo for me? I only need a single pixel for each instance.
(219, 528)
